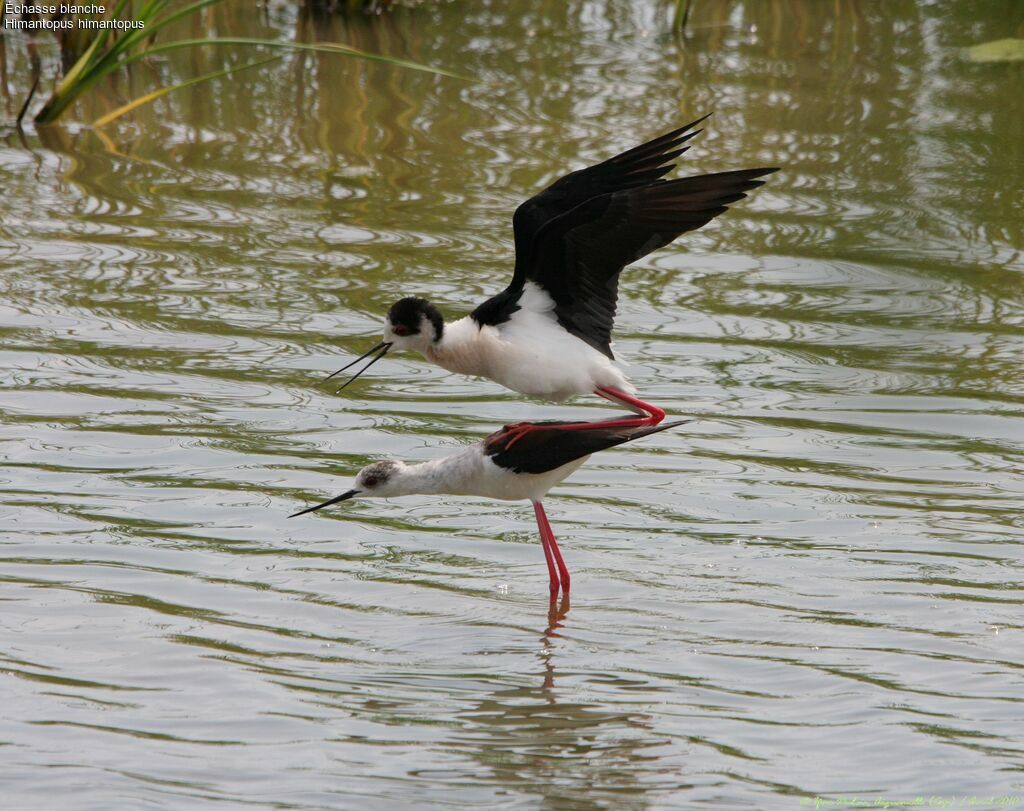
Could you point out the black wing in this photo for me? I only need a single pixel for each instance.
(637, 167)
(552, 446)
(574, 238)
(578, 256)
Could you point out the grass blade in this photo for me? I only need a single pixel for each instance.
(320, 47)
(111, 50)
(102, 121)
(153, 27)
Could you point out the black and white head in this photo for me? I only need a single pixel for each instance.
(379, 480)
(411, 324)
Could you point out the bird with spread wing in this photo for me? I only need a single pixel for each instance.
(548, 334)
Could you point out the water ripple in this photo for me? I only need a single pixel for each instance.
(811, 589)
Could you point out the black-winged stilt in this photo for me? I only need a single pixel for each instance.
(504, 466)
(548, 333)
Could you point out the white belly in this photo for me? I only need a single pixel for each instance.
(530, 354)
(497, 482)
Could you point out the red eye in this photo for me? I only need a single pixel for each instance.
(370, 481)
(400, 330)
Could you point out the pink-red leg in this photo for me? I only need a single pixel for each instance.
(538, 510)
(654, 415)
(548, 537)
(647, 414)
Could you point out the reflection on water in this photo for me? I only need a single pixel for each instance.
(814, 590)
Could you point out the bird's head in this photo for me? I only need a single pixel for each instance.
(379, 480)
(413, 324)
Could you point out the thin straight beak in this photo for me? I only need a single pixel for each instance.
(382, 345)
(327, 503)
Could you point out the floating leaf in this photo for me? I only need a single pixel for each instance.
(999, 50)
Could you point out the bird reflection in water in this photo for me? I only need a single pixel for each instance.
(558, 741)
(558, 610)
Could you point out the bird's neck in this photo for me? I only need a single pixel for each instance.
(452, 475)
(462, 348)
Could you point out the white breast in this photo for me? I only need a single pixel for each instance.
(530, 353)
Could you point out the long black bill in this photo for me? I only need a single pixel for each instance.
(327, 503)
(383, 348)
(382, 345)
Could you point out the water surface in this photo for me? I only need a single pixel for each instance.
(814, 589)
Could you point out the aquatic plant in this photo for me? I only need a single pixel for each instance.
(128, 35)
(681, 16)
(1000, 50)
(349, 6)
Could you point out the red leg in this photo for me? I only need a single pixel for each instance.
(545, 529)
(538, 510)
(647, 414)
(654, 414)
(517, 432)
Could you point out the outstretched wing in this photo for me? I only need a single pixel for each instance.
(634, 168)
(551, 445)
(639, 166)
(575, 237)
(577, 257)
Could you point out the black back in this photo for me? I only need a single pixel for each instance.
(551, 446)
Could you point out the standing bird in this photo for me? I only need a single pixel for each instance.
(547, 454)
(548, 334)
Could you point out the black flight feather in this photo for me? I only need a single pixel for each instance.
(636, 167)
(575, 237)
(578, 256)
(551, 445)
(639, 166)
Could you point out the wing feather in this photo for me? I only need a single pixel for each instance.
(579, 255)
(550, 445)
(639, 166)
(575, 237)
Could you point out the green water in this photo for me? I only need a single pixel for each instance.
(814, 589)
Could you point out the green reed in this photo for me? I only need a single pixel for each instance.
(104, 51)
